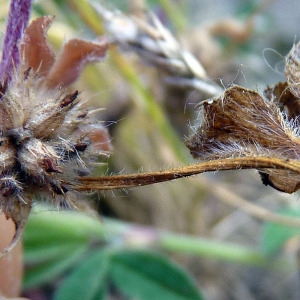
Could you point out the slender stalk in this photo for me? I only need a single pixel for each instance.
(189, 244)
(87, 14)
(142, 179)
(218, 251)
(174, 14)
(135, 180)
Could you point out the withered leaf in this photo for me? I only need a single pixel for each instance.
(242, 123)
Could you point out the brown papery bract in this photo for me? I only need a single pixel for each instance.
(66, 68)
(243, 123)
(35, 49)
(75, 54)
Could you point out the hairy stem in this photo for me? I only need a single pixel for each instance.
(141, 179)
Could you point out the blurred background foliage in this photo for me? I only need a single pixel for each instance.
(236, 256)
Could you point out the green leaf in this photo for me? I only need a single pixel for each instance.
(54, 234)
(37, 275)
(87, 281)
(59, 226)
(148, 276)
(42, 253)
(275, 235)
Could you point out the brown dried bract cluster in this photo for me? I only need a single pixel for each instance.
(242, 122)
(48, 136)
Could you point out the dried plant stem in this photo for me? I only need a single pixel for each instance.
(87, 15)
(135, 180)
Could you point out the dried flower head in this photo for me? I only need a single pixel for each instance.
(48, 137)
(243, 123)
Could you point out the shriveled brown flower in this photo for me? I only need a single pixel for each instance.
(242, 123)
(48, 136)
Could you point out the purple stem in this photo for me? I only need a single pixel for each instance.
(18, 18)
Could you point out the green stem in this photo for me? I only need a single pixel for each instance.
(218, 250)
(71, 226)
(174, 13)
(194, 245)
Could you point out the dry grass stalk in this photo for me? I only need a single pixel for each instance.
(156, 45)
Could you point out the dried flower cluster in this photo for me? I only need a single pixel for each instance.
(48, 136)
(242, 122)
